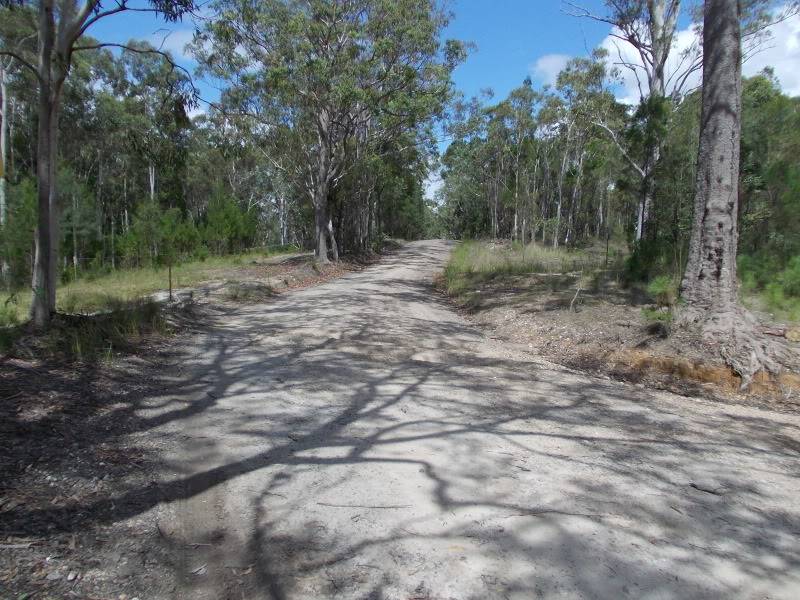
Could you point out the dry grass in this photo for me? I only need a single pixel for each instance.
(107, 292)
(473, 262)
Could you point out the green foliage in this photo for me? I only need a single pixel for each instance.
(664, 290)
(775, 282)
(9, 315)
(656, 315)
(228, 228)
(16, 238)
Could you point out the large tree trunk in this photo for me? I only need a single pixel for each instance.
(43, 301)
(334, 245)
(321, 222)
(709, 284)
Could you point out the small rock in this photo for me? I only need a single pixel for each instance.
(53, 575)
(72, 576)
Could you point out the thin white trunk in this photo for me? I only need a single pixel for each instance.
(75, 234)
(562, 173)
(4, 115)
(151, 175)
(4, 129)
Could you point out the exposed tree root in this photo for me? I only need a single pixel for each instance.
(737, 335)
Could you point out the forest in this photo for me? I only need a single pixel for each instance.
(328, 132)
(294, 305)
(542, 167)
(322, 137)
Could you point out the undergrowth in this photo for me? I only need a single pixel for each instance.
(87, 337)
(473, 262)
(238, 291)
(775, 285)
(107, 292)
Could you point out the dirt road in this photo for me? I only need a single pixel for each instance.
(360, 440)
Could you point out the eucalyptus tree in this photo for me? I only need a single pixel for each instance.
(61, 27)
(648, 27)
(582, 86)
(709, 285)
(15, 30)
(522, 103)
(156, 98)
(312, 74)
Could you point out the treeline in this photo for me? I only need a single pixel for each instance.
(557, 167)
(322, 138)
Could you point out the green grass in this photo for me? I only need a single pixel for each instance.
(110, 292)
(88, 338)
(773, 299)
(767, 284)
(655, 315)
(474, 261)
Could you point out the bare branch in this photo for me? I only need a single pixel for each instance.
(627, 156)
(161, 53)
(579, 11)
(22, 61)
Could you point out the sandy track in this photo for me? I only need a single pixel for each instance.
(360, 440)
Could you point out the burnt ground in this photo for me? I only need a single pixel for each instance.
(607, 333)
(71, 434)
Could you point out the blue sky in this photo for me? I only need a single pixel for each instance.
(514, 39)
(511, 35)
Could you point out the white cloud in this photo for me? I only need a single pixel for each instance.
(547, 67)
(433, 183)
(634, 81)
(173, 41)
(198, 110)
(781, 51)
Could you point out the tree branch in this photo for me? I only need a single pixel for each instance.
(614, 139)
(22, 61)
(161, 53)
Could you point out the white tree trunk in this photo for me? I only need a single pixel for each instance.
(4, 130)
(151, 176)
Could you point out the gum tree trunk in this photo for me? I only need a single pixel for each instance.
(4, 129)
(44, 290)
(709, 284)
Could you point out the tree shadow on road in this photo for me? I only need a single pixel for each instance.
(526, 480)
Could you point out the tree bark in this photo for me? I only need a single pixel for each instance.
(43, 300)
(709, 283)
(4, 128)
(321, 222)
(75, 235)
(151, 177)
(562, 173)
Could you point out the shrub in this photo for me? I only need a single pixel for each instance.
(655, 315)
(791, 278)
(9, 315)
(201, 253)
(664, 290)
